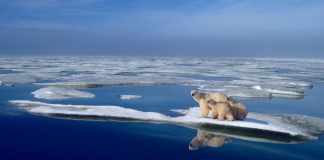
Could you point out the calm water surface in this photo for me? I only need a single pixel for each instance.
(27, 136)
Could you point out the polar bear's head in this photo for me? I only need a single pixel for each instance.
(196, 95)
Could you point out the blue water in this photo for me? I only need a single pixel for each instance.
(27, 136)
(4, 71)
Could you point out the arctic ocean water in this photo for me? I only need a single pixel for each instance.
(28, 136)
(165, 83)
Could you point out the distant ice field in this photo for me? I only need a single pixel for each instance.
(237, 77)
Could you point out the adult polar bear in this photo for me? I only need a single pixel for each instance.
(221, 105)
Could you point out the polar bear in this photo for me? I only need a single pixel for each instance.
(204, 139)
(239, 110)
(220, 111)
(202, 99)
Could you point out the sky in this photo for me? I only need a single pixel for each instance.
(217, 28)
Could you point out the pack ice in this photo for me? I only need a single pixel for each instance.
(256, 127)
(56, 93)
(238, 77)
(130, 96)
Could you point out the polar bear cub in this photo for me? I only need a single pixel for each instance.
(220, 111)
(202, 99)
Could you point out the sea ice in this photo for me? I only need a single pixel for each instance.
(56, 93)
(15, 78)
(285, 78)
(237, 91)
(281, 92)
(85, 110)
(293, 126)
(129, 97)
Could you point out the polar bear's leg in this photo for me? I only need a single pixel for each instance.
(214, 113)
(221, 113)
(204, 108)
(241, 115)
(228, 113)
(221, 116)
(223, 110)
(229, 117)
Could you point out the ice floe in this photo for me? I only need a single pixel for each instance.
(15, 78)
(257, 126)
(56, 93)
(292, 122)
(238, 91)
(91, 111)
(287, 78)
(130, 97)
(281, 92)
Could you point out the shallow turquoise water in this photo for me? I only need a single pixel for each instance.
(24, 135)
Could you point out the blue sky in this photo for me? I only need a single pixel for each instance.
(245, 28)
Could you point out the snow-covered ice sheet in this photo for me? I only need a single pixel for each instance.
(130, 97)
(262, 126)
(85, 110)
(56, 93)
(287, 78)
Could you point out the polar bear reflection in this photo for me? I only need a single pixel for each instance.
(205, 138)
